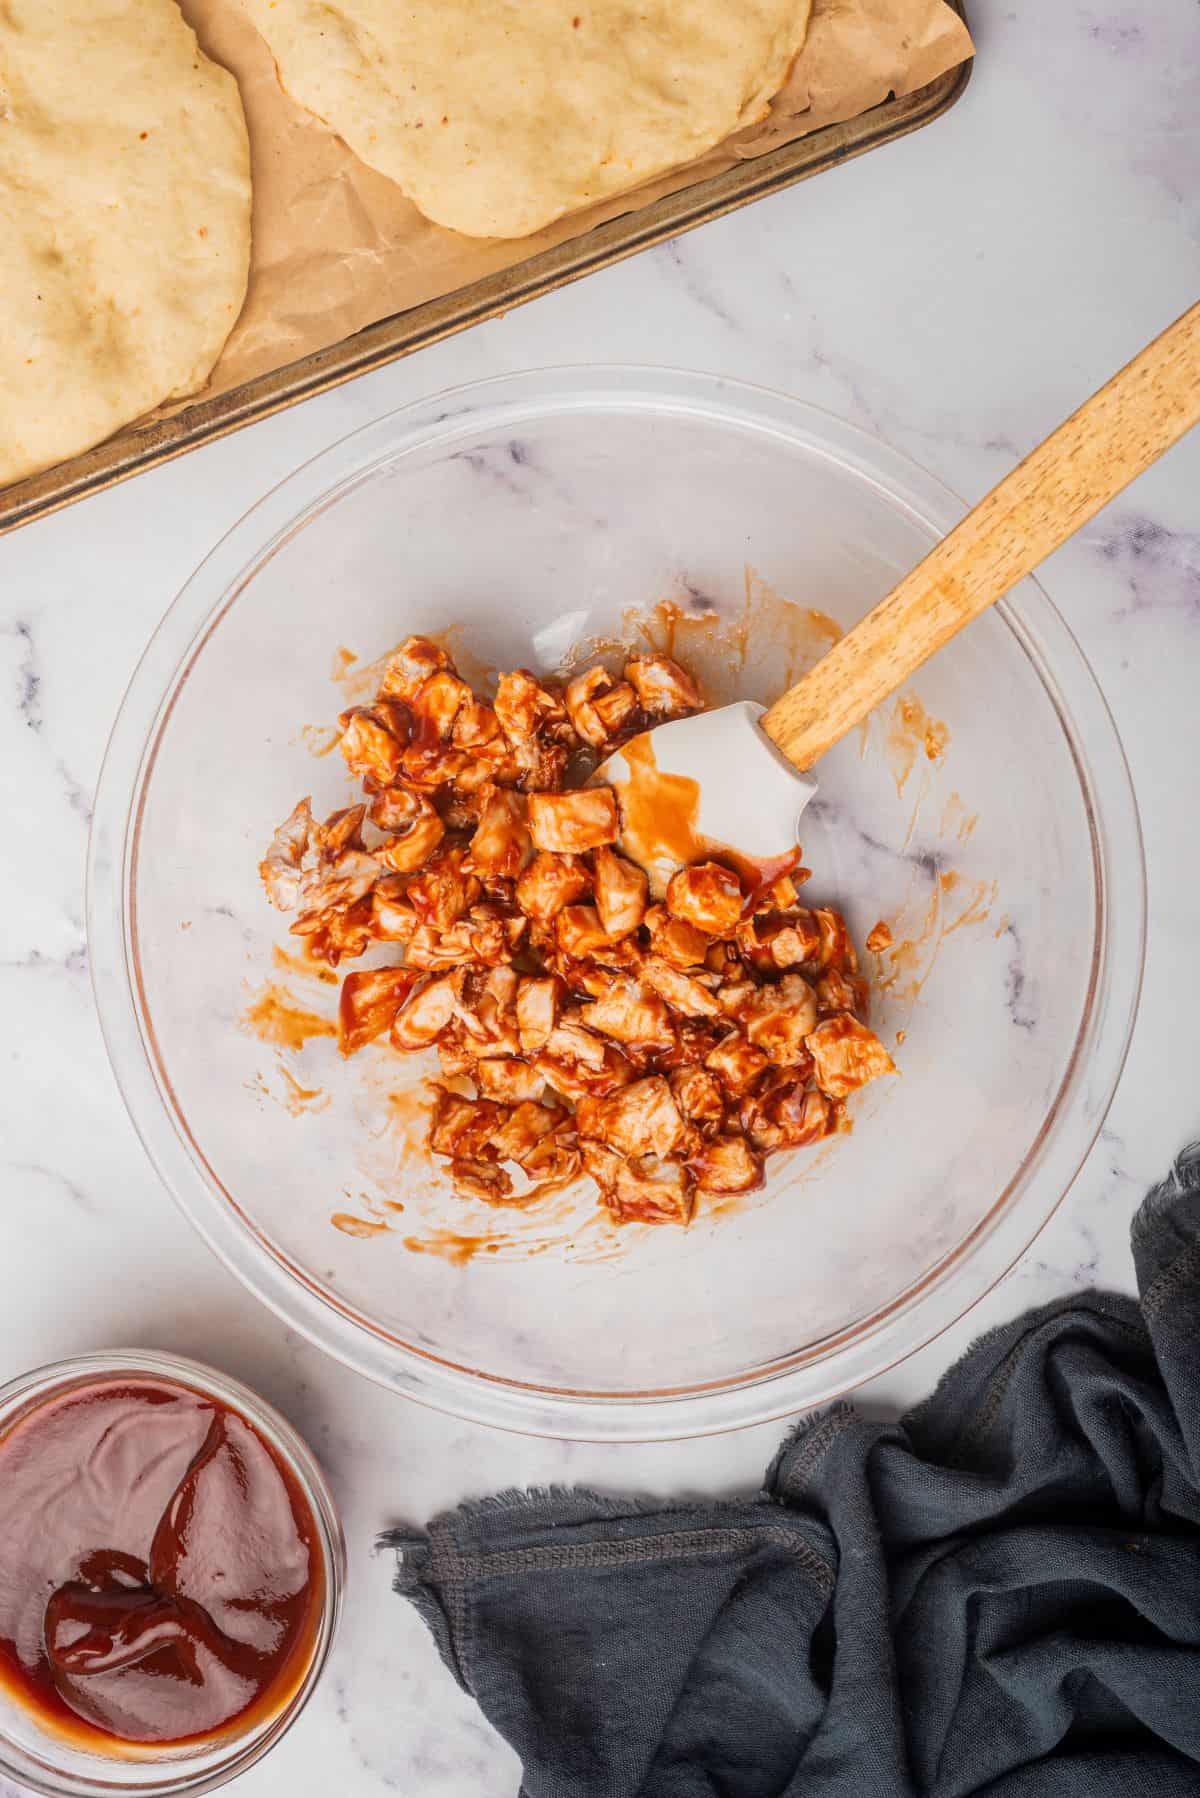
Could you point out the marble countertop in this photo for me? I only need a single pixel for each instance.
(956, 293)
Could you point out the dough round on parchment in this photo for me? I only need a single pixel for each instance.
(497, 116)
(124, 219)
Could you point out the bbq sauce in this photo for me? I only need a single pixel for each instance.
(161, 1574)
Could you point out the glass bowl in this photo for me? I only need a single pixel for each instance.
(56, 1764)
(987, 817)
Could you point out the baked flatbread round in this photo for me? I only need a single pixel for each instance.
(124, 219)
(497, 116)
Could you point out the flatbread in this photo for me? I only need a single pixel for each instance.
(124, 219)
(498, 116)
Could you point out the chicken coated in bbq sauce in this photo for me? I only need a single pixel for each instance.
(581, 1010)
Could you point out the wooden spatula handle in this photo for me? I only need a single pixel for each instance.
(1118, 432)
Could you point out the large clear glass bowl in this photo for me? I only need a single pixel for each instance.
(526, 515)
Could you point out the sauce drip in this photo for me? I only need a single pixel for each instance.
(659, 826)
(275, 1017)
(659, 812)
(161, 1579)
(758, 874)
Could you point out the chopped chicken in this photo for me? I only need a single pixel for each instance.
(780, 939)
(695, 1040)
(501, 842)
(662, 687)
(787, 1117)
(680, 990)
(280, 866)
(803, 1114)
(537, 1004)
(490, 1035)
(457, 1050)
(608, 957)
(477, 730)
(681, 944)
(427, 1011)
(630, 1014)
(410, 667)
(508, 1079)
(640, 1119)
(524, 707)
(707, 896)
(494, 934)
(784, 892)
(879, 937)
(393, 920)
(789, 946)
(522, 1133)
(570, 1041)
(666, 1049)
(499, 986)
(588, 980)
(540, 764)
(310, 867)
(617, 711)
(572, 823)
(620, 889)
(723, 959)
(485, 937)
(836, 950)
(645, 1191)
(549, 883)
(841, 992)
(463, 1127)
(653, 1192)
(395, 810)
(484, 1180)
(699, 1095)
(340, 878)
(488, 1012)
(479, 1134)
(435, 950)
(411, 849)
(372, 743)
(575, 1077)
(846, 1055)
(735, 996)
(443, 891)
(471, 775)
(779, 1018)
(499, 890)
(368, 1003)
(339, 934)
(436, 705)
(737, 1062)
(430, 765)
(580, 933)
(599, 706)
(726, 1164)
(552, 1164)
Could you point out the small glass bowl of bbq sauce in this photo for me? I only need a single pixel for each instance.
(171, 1572)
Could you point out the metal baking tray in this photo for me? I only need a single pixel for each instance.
(142, 446)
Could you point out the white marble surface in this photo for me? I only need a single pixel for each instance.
(956, 293)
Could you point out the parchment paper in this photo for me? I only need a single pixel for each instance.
(337, 246)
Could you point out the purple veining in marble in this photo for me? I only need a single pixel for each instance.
(1160, 568)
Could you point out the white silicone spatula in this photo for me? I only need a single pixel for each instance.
(751, 765)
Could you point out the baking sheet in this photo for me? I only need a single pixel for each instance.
(337, 246)
(346, 274)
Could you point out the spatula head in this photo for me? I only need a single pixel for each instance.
(712, 784)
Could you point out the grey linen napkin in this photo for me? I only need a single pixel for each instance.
(1000, 1594)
